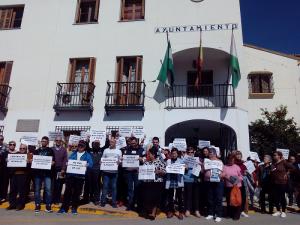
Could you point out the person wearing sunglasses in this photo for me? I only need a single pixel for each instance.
(18, 182)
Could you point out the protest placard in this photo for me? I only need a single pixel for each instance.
(99, 135)
(203, 143)
(180, 144)
(217, 150)
(146, 172)
(196, 170)
(130, 161)
(254, 156)
(176, 168)
(250, 166)
(213, 164)
(109, 163)
(17, 160)
(41, 162)
(74, 139)
(84, 135)
(54, 134)
(76, 166)
(125, 131)
(29, 140)
(285, 152)
(121, 142)
(190, 161)
(138, 132)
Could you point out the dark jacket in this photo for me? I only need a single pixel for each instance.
(85, 157)
(263, 176)
(279, 172)
(44, 152)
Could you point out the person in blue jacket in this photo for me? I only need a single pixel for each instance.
(74, 182)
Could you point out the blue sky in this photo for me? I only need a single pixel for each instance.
(272, 24)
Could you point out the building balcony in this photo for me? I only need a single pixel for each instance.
(204, 96)
(4, 97)
(74, 97)
(125, 96)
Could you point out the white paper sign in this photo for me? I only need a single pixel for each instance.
(125, 131)
(213, 164)
(196, 170)
(180, 144)
(217, 150)
(98, 135)
(131, 161)
(17, 160)
(250, 166)
(84, 135)
(170, 146)
(138, 133)
(54, 134)
(121, 142)
(176, 168)
(203, 143)
(76, 166)
(285, 153)
(41, 162)
(254, 156)
(146, 172)
(109, 163)
(29, 140)
(191, 162)
(74, 139)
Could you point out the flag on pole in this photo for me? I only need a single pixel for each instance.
(234, 64)
(199, 62)
(166, 73)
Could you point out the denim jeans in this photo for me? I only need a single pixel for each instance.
(215, 198)
(109, 178)
(131, 179)
(47, 189)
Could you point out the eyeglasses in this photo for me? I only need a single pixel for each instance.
(12, 144)
(22, 148)
(58, 140)
(190, 152)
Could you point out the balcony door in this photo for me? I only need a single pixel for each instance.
(5, 71)
(128, 81)
(205, 88)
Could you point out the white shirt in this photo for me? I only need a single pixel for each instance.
(112, 153)
(79, 154)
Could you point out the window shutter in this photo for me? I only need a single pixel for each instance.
(2, 17)
(122, 9)
(120, 66)
(7, 21)
(139, 64)
(77, 15)
(72, 68)
(92, 69)
(143, 9)
(96, 15)
(7, 72)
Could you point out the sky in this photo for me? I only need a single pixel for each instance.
(272, 24)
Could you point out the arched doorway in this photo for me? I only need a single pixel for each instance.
(217, 133)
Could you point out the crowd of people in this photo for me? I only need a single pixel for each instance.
(176, 194)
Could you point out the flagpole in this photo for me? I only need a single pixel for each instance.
(173, 96)
(228, 73)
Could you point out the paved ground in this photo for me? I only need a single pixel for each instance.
(28, 217)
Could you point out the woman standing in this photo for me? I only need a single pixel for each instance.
(279, 178)
(150, 202)
(232, 175)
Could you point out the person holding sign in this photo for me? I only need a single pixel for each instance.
(174, 183)
(110, 176)
(42, 175)
(215, 187)
(191, 186)
(3, 172)
(74, 182)
(133, 154)
(18, 178)
(152, 189)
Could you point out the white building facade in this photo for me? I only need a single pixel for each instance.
(71, 66)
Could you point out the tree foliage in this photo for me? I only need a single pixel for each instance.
(274, 131)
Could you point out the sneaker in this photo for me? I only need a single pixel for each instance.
(180, 216)
(218, 219)
(209, 217)
(276, 214)
(102, 204)
(114, 206)
(283, 215)
(74, 212)
(61, 211)
(197, 214)
(48, 209)
(11, 207)
(243, 214)
(37, 208)
(187, 213)
(20, 207)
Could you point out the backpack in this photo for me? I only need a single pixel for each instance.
(235, 196)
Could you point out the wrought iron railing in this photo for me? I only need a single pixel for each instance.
(125, 96)
(74, 96)
(4, 96)
(202, 96)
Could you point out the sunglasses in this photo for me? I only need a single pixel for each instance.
(12, 144)
(190, 152)
(22, 148)
(58, 140)
(81, 146)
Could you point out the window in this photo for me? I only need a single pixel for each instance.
(205, 88)
(132, 10)
(87, 11)
(260, 83)
(11, 17)
(82, 70)
(71, 130)
(5, 71)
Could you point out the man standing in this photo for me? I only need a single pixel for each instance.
(41, 176)
(61, 158)
(3, 172)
